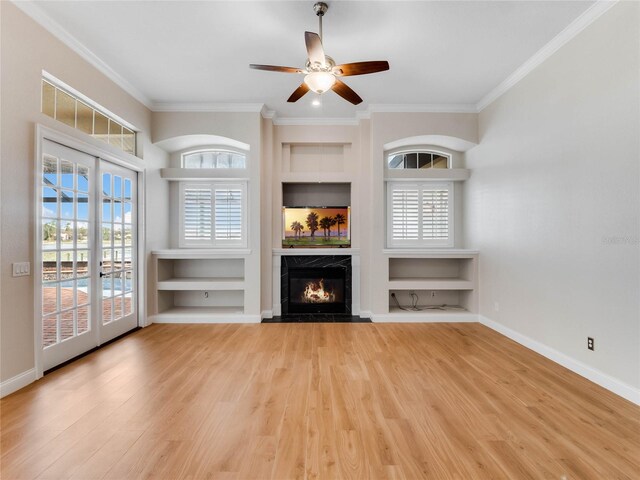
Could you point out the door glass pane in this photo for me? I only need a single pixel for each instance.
(67, 327)
(82, 263)
(49, 202)
(83, 206)
(117, 308)
(66, 264)
(106, 184)
(66, 174)
(83, 319)
(82, 235)
(49, 330)
(67, 295)
(49, 266)
(128, 303)
(50, 170)
(127, 189)
(67, 235)
(107, 309)
(49, 298)
(83, 179)
(66, 204)
(49, 234)
(106, 260)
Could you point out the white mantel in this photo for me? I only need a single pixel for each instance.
(355, 272)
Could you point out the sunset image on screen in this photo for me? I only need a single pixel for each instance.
(316, 227)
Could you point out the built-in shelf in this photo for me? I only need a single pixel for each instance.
(316, 177)
(316, 251)
(434, 278)
(199, 286)
(421, 283)
(196, 283)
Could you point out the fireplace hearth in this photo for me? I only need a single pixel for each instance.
(313, 284)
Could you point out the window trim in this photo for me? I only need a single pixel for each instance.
(212, 242)
(420, 242)
(405, 150)
(225, 149)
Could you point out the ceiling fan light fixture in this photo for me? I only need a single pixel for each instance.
(320, 82)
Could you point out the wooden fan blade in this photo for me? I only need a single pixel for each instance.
(346, 92)
(360, 68)
(299, 93)
(275, 68)
(314, 48)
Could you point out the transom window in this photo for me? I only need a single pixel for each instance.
(418, 160)
(214, 159)
(75, 110)
(419, 214)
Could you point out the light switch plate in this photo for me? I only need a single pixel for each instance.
(21, 269)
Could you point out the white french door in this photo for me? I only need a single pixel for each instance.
(87, 252)
(118, 246)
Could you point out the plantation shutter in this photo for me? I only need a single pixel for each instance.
(197, 214)
(213, 215)
(435, 213)
(419, 214)
(404, 212)
(228, 213)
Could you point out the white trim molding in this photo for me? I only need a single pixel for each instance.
(207, 107)
(596, 376)
(43, 19)
(315, 121)
(424, 317)
(16, 383)
(574, 28)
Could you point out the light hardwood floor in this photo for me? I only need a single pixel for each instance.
(323, 401)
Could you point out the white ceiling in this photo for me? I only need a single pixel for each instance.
(451, 53)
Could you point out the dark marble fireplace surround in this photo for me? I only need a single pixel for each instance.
(319, 262)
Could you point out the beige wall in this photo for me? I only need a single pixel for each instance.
(26, 50)
(553, 203)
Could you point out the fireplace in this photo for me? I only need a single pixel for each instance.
(316, 284)
(316, 290)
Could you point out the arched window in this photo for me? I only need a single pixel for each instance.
(418, 160)
(214, 159)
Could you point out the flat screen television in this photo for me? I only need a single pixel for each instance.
(316, 227)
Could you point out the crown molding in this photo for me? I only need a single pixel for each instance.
(267, 113)
(207, 107)
(39, 16)
(340, 121)
(574, 28)
(422, 108)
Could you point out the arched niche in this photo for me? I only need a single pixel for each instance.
(443, 141)
(187, 142)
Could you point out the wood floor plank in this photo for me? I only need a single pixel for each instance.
(317, 401)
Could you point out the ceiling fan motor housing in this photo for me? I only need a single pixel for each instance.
(320, 8)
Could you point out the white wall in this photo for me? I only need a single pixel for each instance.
(553, 203)
(26, 50)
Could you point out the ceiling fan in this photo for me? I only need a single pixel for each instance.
(321, 72)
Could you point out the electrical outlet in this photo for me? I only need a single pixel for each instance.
(21, 269)
(590, 343)
(433, 293)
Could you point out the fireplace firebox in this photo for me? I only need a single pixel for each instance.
(316, 290)
(313, 284)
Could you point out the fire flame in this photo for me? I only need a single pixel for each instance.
(314, 292)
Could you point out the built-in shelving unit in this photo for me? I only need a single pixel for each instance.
(199, 286)
(441, 283)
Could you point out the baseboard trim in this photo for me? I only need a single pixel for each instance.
(236, 318)
(420, 317)
(266, 314)
(16, 383)
(596, 376)
(365, 314)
